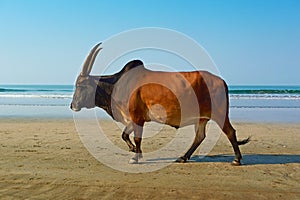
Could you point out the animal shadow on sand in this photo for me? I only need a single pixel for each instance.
(251, 159)
(248, 159)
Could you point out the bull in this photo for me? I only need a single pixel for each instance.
(136, 95)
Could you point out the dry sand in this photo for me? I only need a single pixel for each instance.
(45, 159)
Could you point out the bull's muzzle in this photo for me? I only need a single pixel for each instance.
(74, 108)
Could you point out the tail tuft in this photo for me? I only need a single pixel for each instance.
(245, 141)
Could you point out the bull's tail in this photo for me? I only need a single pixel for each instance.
(245, 141)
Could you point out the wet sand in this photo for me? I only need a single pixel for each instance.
(45, 159)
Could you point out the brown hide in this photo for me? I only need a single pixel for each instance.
(174, 98)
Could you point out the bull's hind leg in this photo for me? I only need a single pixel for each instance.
(231, 135)
(200, 135)
(125, 136)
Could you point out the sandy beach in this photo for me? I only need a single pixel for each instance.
(45, 159)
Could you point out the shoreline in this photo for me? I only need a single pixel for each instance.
(106, 119)
(253, 115)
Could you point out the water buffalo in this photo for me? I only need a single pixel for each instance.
(136, 95)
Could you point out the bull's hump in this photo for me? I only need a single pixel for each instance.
(132, 64)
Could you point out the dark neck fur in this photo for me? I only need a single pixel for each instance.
(105, 86)
(103, 96)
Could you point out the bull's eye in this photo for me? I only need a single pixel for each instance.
(81, 86)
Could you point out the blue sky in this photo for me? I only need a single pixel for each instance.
(251, 42)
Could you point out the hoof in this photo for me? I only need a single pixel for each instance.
(136, 158)
(181, 160)
(133, 161)
(236, 163)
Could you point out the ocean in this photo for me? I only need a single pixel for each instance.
(247, 103)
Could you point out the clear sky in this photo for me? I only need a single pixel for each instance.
(253, 42)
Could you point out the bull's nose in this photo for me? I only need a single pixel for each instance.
(74, 108)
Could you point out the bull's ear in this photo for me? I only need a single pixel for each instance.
(90, 59)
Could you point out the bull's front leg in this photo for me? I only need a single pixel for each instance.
(125, 136)
(138, 131)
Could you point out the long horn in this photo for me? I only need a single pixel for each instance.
(93, 60)
(87, 67)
